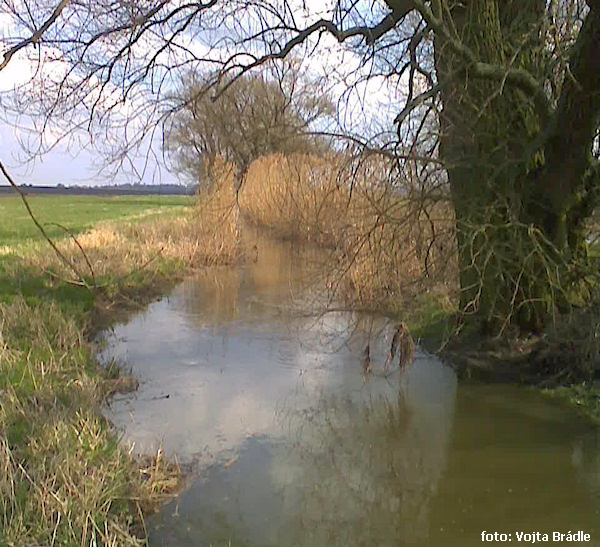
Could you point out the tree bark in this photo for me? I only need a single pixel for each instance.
(570, 185)
(514, 199)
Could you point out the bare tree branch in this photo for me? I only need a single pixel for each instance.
(370, 34)
(36, 36)
(67, 262)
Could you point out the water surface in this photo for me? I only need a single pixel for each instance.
(293, 445)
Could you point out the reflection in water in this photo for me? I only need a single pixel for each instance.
(586, 460)
(363, 472)
(293, 445)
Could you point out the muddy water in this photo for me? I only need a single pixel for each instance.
(292, 445)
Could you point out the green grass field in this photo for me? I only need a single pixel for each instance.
(78, 213)
(65, 478)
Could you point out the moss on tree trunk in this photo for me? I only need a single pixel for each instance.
(522, 180)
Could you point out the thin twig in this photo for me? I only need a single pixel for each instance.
(72, 236)
(36, 36)
(41, 228)
(68, 281)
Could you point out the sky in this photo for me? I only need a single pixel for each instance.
(69, 164)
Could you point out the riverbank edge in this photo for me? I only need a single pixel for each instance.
(433, 323)
(488, 360)
(41, 500)
(486, 367)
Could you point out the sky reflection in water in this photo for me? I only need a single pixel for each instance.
(294, 447)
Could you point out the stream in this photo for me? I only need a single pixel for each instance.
(291, 444)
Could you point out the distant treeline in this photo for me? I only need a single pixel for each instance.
(117, 190)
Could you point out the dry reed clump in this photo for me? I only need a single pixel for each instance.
(387, 242)
(297, 196)
(64, 480)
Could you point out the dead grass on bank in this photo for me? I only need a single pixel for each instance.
(64, 478)
(118, 249)
(388, 243)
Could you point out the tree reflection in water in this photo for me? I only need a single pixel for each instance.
(363, 472)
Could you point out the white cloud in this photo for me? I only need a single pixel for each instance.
(366, 106)
(17, 72)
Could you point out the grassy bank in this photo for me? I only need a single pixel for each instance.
(79, 213)
(64, 478)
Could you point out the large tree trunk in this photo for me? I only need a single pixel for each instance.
(569, 175)
(520, 181)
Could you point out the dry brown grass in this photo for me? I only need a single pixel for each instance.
(206, 236)
(64, 479)
(387, 244)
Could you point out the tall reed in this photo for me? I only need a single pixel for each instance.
(387, 243)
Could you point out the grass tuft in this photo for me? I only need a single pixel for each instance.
(64, 478)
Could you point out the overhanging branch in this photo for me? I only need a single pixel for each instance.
(370, 34)
(518, 77)
(36, 36)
